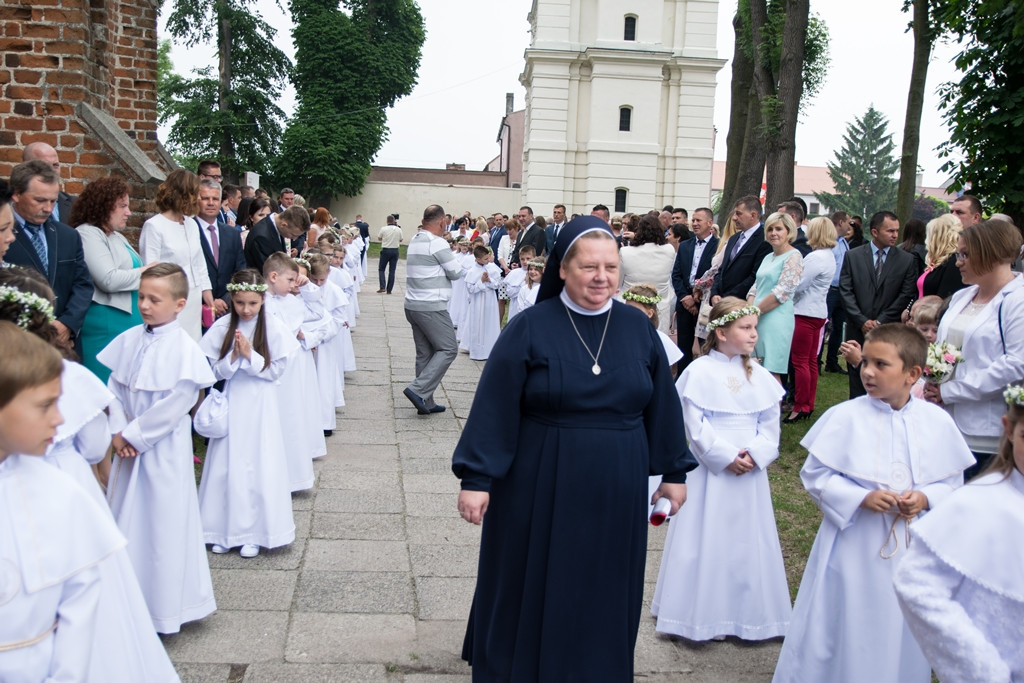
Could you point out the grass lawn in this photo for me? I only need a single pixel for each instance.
(374, 251)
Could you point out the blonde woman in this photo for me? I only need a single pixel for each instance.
(941, 277)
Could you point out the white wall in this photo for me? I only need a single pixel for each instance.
(378, 199)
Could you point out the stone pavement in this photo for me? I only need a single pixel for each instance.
(378, 583)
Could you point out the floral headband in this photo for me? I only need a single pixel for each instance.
(246, 287)
(302, 262)
(29, 303)
(536, 264)
(1014, 395)
(735, 315)
(641, 299)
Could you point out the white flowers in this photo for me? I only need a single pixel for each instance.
(1014, 395)
(941, 362)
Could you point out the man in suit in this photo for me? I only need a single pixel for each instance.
(285, 203)
(531, 234)
(222, 244)
(557, 223)
(269, 235)
(692, 260)
(44, 152)
(743, 253)
(231, 197)
(681, 218)
(877, 282)
(51, 247)
(497, 232)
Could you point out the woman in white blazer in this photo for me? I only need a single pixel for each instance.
(986, 320)
(649, 261)
(100, 214)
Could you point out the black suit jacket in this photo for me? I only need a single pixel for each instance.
(801, 244)
(262, 241)
(535, 236)
(67, 273)
(865, 299)
(735, 278)
(64, 204)
(684, 262)
(231, 257)
(496, 235)
(549, 237)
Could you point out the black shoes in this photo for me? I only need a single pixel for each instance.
(836, 368)
(797, 417)
(421, 407)
(438, 408)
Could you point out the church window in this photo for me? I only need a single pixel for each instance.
(625, 118)
(629, 32)
(620, 199)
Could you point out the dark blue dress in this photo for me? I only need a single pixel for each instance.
(565, 455)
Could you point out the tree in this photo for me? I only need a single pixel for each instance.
(757, 119)
(231, 116)
(927, 208)
(985, 110)
(349, 69)
(864, 169)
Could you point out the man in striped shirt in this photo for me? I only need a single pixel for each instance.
(430, 267)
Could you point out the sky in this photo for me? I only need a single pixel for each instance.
(473, 56)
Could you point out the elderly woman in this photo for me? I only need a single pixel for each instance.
(776, 280)
(173, 236)
(986, 320)
(649, 260)
(941, 277)
(101, 214)
(574, 410)
(811, 311)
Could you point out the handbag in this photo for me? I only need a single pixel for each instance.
(211, 418)
(704, 314)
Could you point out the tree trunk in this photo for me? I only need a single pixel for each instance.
(739, 130)
(751, 173)
(227, 147)
(915, 104)
(782, 144)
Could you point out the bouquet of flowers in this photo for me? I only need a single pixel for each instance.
(941, 362)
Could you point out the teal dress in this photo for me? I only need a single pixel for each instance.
(102, 323)
(777, 275)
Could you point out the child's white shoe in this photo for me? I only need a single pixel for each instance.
(249, 550)
(219, 549)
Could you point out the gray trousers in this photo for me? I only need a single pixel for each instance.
(436, 348)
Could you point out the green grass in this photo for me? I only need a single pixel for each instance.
(796, 514)
(374, 250)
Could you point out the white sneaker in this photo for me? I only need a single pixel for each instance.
(249, 550)
(219, 549)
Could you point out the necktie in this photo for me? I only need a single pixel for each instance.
(35, 236)
(214, 245)
(736, 248)
(879, 262)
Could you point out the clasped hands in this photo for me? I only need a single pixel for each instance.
(742, 464)
(908, 505)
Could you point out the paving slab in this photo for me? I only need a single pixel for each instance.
(254, 589)
(231, 636)
(324, 637)
(274, 672)
(444, 597)
(441, 530)
(355, 592)
(355, 526)
(332, 555)
(347, 500)
(203, 673)
(444, 560)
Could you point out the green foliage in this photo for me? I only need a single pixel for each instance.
(985, 110)
(242, 134)
(350, 67)
(864, 169)
(927, 208)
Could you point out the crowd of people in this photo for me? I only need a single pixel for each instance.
(633, 362)
(116, 360)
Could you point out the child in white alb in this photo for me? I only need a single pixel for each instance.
(301, 426)
(722, 572)
(341, 277)
(960, 585)
(331, 348)
(517, 278)
(904, 457)
(527, 294)
(157, 370)
(481, 324)
(245, 493)
(458, 304)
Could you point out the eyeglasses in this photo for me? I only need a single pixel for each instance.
(218, 178)
(962, 256)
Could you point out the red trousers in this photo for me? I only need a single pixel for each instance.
(804, 356)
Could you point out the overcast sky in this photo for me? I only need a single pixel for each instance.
(473, 55)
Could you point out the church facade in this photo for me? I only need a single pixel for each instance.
(619, 103)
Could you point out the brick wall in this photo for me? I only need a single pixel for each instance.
(60, 53)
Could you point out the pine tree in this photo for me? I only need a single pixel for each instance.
(864, 171)
(350, 67)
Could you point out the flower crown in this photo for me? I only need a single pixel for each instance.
(536, 264)
(735, 315)
(302, 262)
(29, 303)
(246, 287)
(641, 299)
(1014, 395)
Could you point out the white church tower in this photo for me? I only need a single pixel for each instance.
(619, 103)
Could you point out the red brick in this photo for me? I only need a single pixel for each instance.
(16, 13)
(56, 123)
(69, 141)
(73, 33)
(24, 92)
(58, 109)
(5, 77)
(5, 106)
(30, 77)
(75, 64)
(53, 15)
(90, 172)
(23, 108)
(74, 187)
(65, 77)
(8, 138)
(39, 62)
(92, 144)
(12, 29)
(23, 123)
(75, 127)
(145, 125)
(10, 154)
(41, 31)
(66, 156)
(73, 92)
(65, 47)
(15, 45)
(130, 114)
(93, 159)
(48, 138)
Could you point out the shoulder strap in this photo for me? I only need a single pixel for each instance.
(999, 320)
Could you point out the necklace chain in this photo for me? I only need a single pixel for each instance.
(597, 368)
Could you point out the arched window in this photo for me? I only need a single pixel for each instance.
(625, 118)
(620, 199)
(629, 31)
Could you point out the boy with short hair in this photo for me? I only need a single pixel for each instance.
(517, 277)
(481, 325)
(157, 370)
(875, 462)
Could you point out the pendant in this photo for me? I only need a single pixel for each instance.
(596, 369)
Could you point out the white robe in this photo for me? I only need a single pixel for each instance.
(458, 303)
(245, 493)
(722, 572)
(481, 325)
(526, 297)
(53, 535)
(156, 377)
(164, 240)
(129, 650)
(330, 354)
(299, 391)
(515, 283)
(846, 624)
(342, 278)
(961, 584)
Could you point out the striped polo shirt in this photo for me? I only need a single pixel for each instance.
(430, 267)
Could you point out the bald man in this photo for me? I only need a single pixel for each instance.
(44, 152)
